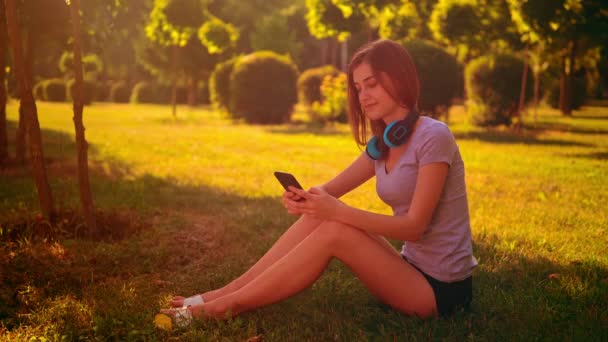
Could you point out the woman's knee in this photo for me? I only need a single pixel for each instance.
(310, 220)
(306, 223)
(337, 234)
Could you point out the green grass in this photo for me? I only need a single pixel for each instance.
(192, 203)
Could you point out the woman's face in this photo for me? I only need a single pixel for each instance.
(375, 101)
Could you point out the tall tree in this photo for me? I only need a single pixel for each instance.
(470, 28)
(172, 23)
(400, 21)
(569, 28)
(337, 19)
(273, 33)
(406, 20)
(245, 15)
(110, 30)
(30, 113)
(37, 31)
(3, 47)
(176, 24)
(86, 199)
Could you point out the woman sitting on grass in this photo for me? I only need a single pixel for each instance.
(419, 173)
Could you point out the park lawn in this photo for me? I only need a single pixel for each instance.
(189, 204)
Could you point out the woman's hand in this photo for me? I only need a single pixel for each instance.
(289, 198)
(317, 203)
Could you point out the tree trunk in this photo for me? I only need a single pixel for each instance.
(567, 80)
(522, 93)
(536, 94)
(3, 136)
(174, 81)
(192, 92)
(344, 55)
(22, 134)
(86, 199)
(28, 55)
(536, 73)
(29, 113)
(325, 51)
(334, 53)
(20, 137)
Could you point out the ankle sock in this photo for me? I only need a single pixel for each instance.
(194, 300)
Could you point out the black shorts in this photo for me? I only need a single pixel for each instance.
(450, 297)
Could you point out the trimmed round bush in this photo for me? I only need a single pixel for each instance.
(579, 92)
(309, 83)
(148, 92)
(219, 84)
(102, 91)
(89, 91)
(333, 106)
(119, 92)
(493, 84)
(91, 63)
(263, 88)
(439, 76)
(38, 90)
(55, 90)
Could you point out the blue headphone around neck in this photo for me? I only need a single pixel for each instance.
(395, 134)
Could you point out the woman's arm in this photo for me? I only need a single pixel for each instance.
(408, 227)
(357, 173)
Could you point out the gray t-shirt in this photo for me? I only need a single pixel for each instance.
(444, 250)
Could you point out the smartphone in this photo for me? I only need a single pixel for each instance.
(286, 180)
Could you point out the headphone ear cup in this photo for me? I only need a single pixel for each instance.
(396, 133)
(372, 149)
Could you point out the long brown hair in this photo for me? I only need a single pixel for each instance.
(396, 73)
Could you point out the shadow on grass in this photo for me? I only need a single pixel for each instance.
(597, 116)
(565, 128)
(596, 155)
(307, 128)
(537, 298)
(592, 117)
(40, 267)
(504, 137)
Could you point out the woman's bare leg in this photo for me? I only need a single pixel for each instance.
(383, 272)
(291, 238)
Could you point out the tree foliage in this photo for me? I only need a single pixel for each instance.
(263, 88)
(273, 33)
(561, 20)
(439, 75)
(219, 84)
(217, 35)
(333, 103)
(569, 28)
(474, 26)
(173, 22)
(309, 83)
(111, 30)
(338, 18)
(493, 89)
(400, 21)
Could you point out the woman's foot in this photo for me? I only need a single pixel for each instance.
(183, 316)
(179, 301)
